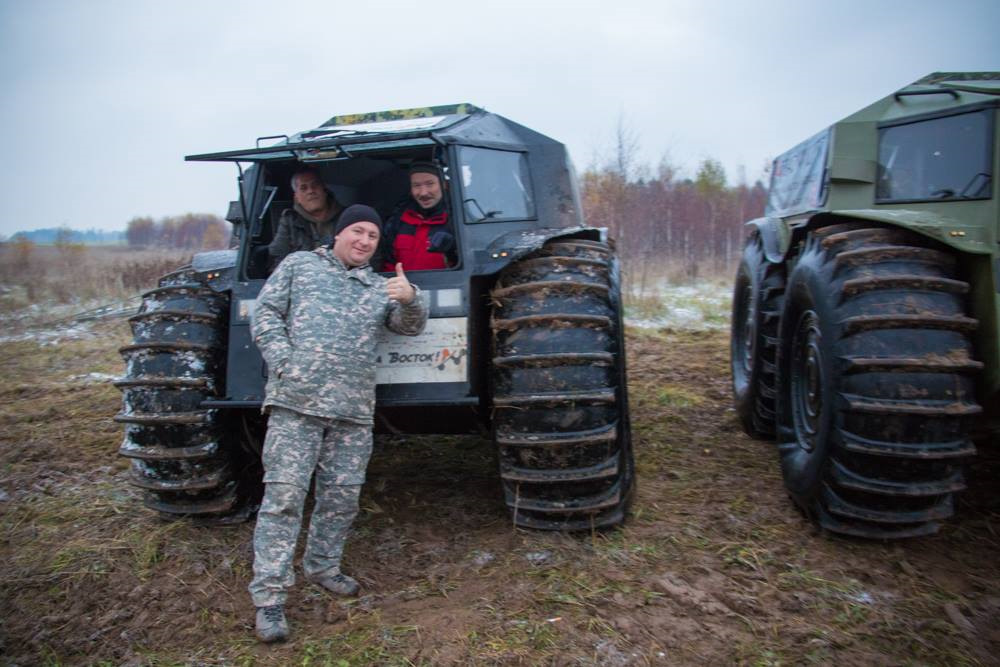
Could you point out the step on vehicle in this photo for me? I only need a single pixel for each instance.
(866, 308)
(524, 340)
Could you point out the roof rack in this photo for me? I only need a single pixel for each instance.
(460, 109)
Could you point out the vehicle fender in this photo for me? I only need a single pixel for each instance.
(217, 267)
(214, 260)
(772, 236)
(960, 235)
(512, 246)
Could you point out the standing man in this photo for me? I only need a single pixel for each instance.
(316, 322)
(309, 223)
(419, 233)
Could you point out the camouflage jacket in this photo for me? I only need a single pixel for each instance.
(297, 232)
(316, 323)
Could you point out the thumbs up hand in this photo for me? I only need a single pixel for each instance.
(399, 287)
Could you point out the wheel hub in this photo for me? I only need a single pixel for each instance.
(746, 330)
(807, 380)
(749, 327)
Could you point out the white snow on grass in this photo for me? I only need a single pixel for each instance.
(698, 307)
(51, 322)
(92, 378)
(53, 336)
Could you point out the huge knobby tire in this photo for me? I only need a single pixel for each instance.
(758, 294)
(174, 364)
(876, 381)
(560, 406)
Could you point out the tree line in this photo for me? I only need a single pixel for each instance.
(191, 231)
(662, 220)
(57, 235)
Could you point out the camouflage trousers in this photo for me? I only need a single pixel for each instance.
(297, 445)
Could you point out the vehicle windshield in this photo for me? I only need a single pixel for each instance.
(941, 159)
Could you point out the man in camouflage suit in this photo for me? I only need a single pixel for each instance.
(316, 322)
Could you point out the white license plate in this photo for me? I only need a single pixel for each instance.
(439, 354)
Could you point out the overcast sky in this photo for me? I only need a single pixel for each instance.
(102, 100)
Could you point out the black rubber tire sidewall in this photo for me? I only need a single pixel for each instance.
(809, 289)
(747, 286)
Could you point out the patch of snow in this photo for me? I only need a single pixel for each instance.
(870, 597)
(195, 364)
(609, 654)
(141, 330)
(91, 378)
(53, 336)
(50, 322)
(538, 557)
(704, 306)
(482, 558)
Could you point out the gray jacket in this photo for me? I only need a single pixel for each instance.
(296, 232)
(316, 324)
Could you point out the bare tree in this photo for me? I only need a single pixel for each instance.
(140, 232)
(663, 219)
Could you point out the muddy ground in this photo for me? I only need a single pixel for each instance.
(715, 565)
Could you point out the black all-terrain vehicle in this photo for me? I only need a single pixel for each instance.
(524, 339)
(866, 308)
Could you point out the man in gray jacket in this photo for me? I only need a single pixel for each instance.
(309, 223)
(316, 322)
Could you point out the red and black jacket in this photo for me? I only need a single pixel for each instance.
(407, 239)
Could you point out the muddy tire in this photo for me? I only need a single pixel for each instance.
(876, 382)
(758, 294)
(176, 361)
(560, 406)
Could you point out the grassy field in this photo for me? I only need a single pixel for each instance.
(715, 566)
(75, 274)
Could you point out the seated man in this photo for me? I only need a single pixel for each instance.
(418, 233)
(309, 223)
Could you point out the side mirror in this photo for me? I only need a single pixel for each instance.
(235, 213)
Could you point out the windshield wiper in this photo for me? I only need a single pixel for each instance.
(974, 189)
(483, 215)
(968, 192)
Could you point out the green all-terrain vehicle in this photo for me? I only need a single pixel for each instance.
(524, 339)
(866, 308)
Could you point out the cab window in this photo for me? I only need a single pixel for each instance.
(496, 185)
(940, 159)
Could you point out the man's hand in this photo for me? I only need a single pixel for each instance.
(441, 242)
(399, 287)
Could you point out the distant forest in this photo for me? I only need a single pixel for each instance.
(666, 224)
(52, 235)
(191, 231)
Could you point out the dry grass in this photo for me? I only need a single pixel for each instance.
(661, 294)
(714, 567)
(73, 273)
(642, 276)
(803, 597)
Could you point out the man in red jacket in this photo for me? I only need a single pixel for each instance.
(419, 233)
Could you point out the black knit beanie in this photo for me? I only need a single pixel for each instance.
(357, 213)
(425, 168)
